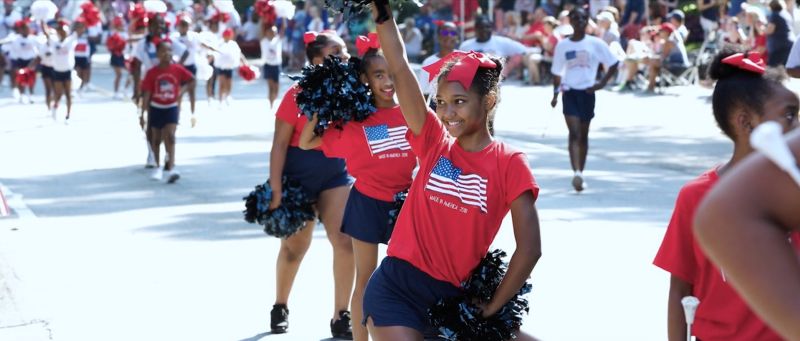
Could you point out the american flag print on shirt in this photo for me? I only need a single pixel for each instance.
(577, 59)
(382, 138)
(448, 179)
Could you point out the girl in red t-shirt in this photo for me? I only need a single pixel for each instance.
(466, 184)
(326, 182)
(746, 95)
(380, 159)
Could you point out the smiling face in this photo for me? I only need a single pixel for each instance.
(164, 52)
(379, 78)
(156, 24)
(448, 36)
(461, 111)
(483, 31)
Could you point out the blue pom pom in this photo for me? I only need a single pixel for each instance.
(332, 91)
(399, 200)
(459, 319)
(286, 220)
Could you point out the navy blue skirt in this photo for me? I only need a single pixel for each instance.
(117, 61)
(367, 219)
(47, 71)
(315, 172)
(400, 294)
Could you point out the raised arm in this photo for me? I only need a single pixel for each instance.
(409, 94)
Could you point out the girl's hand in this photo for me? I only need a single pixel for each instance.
(486, 309)
(141, 121)
(554, 101)
(277, 195)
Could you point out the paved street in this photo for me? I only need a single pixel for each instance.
(94, 250)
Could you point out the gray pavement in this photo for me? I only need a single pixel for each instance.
(94, 250)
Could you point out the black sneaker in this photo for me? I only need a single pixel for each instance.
(279, 319)
(342, 327)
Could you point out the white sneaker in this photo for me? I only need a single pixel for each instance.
(158, 173)
(117, 95)
(228, 100)
(173, 175)
(53, 112)
(151, 161)
(26, 99)
(17, 95)
(88, 86)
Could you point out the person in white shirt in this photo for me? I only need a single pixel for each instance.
(251, 29)
(447, 36)
(211, 39)
(191, 40)
(23, 48)
(144, 58)
(62, 47)
(44, 59)
(7, 19)
(575, 64)
(315, 25)
(83, 50)
(272, 56)
(485, 42)
(229, 58)
(94, 35)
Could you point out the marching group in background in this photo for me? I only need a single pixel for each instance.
(440, 123)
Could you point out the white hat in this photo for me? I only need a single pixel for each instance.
(605, 16)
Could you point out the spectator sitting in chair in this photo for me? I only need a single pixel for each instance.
(638, 53)
(672, 56)
(677, 19)
(251, 30)
(548, 46)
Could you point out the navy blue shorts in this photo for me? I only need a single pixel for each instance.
(47, 71)
(62, 76)
(367, 219)
(159, 117)
(82, 63)
(192, 69)
(400, 294)
(225, 72)
(22, 63)
(314, 171)
(92, 48)
(272, 72)
(117, 61)
(579, 103)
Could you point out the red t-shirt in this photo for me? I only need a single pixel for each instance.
(164, 85)
(457, 202)
(722, 315)
(290, 113)
(377, 153)
(537, 27)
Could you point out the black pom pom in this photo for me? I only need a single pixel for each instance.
(399, 200)
(348, 7)
(332, 91)
(286, 220)
(459, 319)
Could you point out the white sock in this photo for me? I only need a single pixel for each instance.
(578, 173)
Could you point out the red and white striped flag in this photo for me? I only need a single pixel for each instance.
(4, 211)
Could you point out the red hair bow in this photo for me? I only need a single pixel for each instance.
(64, 22)
(228, 33)
(23, 22)
(311, 36)
(185, 16)
(753, 62)
(464, 70)
(364, 44)
(118, 21)
(159, 40)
